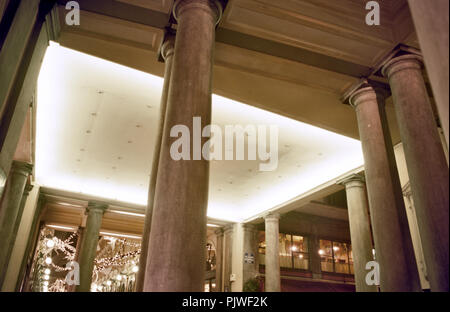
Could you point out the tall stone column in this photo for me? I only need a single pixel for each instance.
(219, 260)
(431, 23)
(178, 228)
(167, 50)
(393, 245)
(360, 233)
(88, 251)
(9, 210)
(26, 192)
(227, 257)
(425, 159)
(272, 280)
(250, 266)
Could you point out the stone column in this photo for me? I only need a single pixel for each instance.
(431, 23)
(250, 267)
(393, 245)
(178, 228)
(26, 192)
(89, 244)
(227, 257)
(425, 159)
(167, 50)
(360, 233)
(219, 260)
(9, 210)
(272, 280)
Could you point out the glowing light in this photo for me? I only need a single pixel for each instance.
(50, 243)
(45, 283)
(60, 227)
(46, 277)
(119, 277)
(108, 283)
(121, 235)
(47, 271)
(329, 156)
(321, 252)
(45, 289)
(335, 248)
(128, 213)
(135, 269)
(300, 256)
(294, 248)
(48, 260)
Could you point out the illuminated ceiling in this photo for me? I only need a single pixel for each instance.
(96, 124)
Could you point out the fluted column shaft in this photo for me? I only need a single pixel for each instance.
(178, 228)
(426, 162)
(88, 251)
(10, 209)
(360, 233)
(167, 50)
(393, 245)
(272, 270)
(431, 23)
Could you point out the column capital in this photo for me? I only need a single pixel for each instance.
(167, 47)
(219, 232)
(399, 63)
(351, 178)
(96, 206)
(214, 7)
(272, 216)
(228, 228)
(367, 91)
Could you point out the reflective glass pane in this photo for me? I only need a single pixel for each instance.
(326, 255)
(341, 258)
(285, 251)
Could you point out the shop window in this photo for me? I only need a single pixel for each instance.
(336, 257)
(293, 251)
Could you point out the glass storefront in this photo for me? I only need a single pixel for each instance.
(336, 257)
(293, 251)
